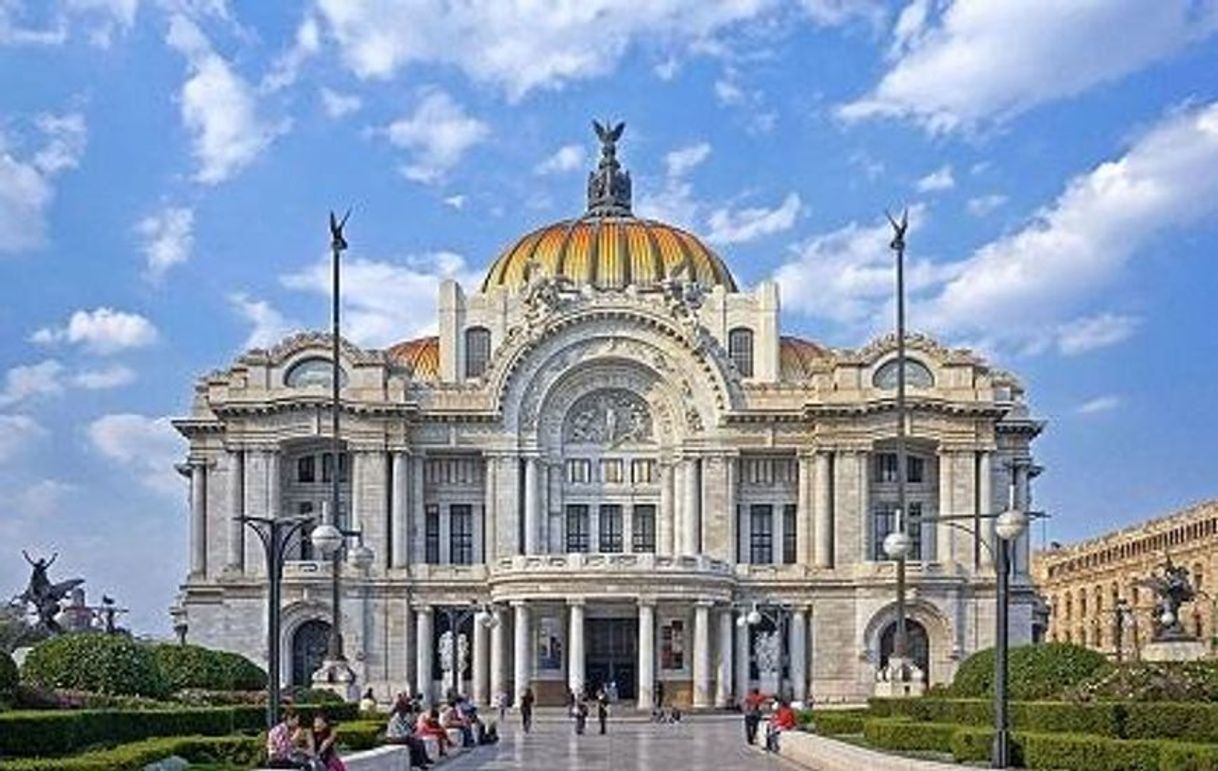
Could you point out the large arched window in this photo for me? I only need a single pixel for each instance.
(477, 351)
(916, 374)
(740, 349)
(314, 371)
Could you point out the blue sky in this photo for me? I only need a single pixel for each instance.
(166, 168)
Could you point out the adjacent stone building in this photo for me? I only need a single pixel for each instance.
(1086, 585)
(611, 445)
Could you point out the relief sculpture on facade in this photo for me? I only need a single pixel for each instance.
(608, 417)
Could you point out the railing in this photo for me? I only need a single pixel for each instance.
(611, 563)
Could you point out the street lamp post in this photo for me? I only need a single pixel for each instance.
(275, 533)
(330, 541)
(776, 614)
(900, 643)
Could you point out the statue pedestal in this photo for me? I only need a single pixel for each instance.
(900, 679)
(1185, 649)
(337, 677)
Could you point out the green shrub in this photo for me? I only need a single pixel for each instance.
(1035, 671)
(315, 696)
(973, 744)
(8, 675)
(194, 667)
(839, 722)
(360, 735)
(236, 750)
(1180, 756)
(111, 664)
(1189, 722)
(904, 735)
(1073, 752)
(1140, 681)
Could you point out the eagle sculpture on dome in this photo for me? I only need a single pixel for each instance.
(608, 135)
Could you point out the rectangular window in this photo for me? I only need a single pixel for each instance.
(740, 349)
(643, 533)
(611, 471)
(788, 534)
(610, 529)
(431, 535)
(579, 471)
(643, 471)
(461, 534)
(306, 469)
(886, 467)
(327, 467)
(915, 473)
(761, 534)
(477, 351)
(885, 521)
(577, 528)
(672, 645)
(304, 550)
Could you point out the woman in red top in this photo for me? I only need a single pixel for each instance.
(782, 719)
(429, 725)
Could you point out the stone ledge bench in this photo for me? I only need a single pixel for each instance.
(390, 757)
(825, 754)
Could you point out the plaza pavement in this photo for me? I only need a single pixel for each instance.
(700, 742)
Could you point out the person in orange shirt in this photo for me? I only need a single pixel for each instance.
(781, 719)
(752, 714)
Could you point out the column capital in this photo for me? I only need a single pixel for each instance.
(704, 603)
(647, 602)
(574, 602)
(426, 610)
(519, 603)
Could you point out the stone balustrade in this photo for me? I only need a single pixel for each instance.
(825, 754)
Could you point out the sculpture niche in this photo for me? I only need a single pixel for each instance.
(44, 597)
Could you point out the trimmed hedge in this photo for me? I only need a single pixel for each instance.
(1180, 756)
(839, 722)
(237, 750)
(47, 733)
(195, 667)
(1188, 722)
(105, 663)
(904, 735)
(1035, 671)
(8, 674)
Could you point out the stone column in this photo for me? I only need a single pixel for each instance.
(498, 662)
(521, 659)
(400, 505)
(823, 511)
(198, 519)
(691, 519)
(424, 652)
(778, 529)
(235, 560)
(864, 511)
(532, 505)
(798, 645)
(479, 662)
(723, 663)
(1023, 502)
(803, 514)
(274, 501)
(985, 505)
(666, 516)
(355, 514)
(741, 657)
(702, 658)
(490, 509)
(647, 655)
(576, 653)
(944, 551)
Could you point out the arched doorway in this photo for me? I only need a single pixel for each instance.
(917, 644)
(309, 644)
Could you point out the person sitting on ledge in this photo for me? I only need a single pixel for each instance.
(401, 731)
(781, 719)
(283, 742)
(367, 702)
(429, 725)
(324, 740)
(451, 717)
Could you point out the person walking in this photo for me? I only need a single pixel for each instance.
(579, 710)
(602, 709)
(526, 709)
(501, 703)
(752, 714)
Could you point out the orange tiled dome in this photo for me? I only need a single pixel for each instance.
(420, 357)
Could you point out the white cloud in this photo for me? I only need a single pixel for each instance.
(26, 183)
(848, 275)
(386, 302)
(729, 226)
(339, 105)
(1022, 286)
(455, 201)
(268, 325)
(17, 434)
(112, 376)
(29, 381)
(957, 65)
(565, 158)
(984, 204)
(168, 239)
(521, 46)
(438, 134)
(101, 19)
(101, 331)
(667, 69)
(1099, 404)
(683, 160)
(286, 67)
(147, 447)
(218, 107)
(728, 93)
(838, 12)
(42, 499)
(1092, 332)
(939, 179)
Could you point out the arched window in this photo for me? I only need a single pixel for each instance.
(740, 349)
(916, 374)
(314, 371)
(477, 351)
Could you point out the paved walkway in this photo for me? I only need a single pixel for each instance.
(698, 743)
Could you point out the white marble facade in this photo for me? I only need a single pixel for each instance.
(619, 462)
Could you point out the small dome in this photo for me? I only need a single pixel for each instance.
(609, 253)
(796, 357)
(420, 357)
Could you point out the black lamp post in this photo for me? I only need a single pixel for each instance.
(275, 533)
(900, 644)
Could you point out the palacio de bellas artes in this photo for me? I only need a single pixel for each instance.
(609, 466)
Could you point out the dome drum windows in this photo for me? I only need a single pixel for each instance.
(740, 350)
(917, 375)
(477, 351)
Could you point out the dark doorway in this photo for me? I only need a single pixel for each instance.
(612, 655)
(918, 645)
(309, 650)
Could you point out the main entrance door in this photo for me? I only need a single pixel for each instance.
(612, 655)
(309, 650)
